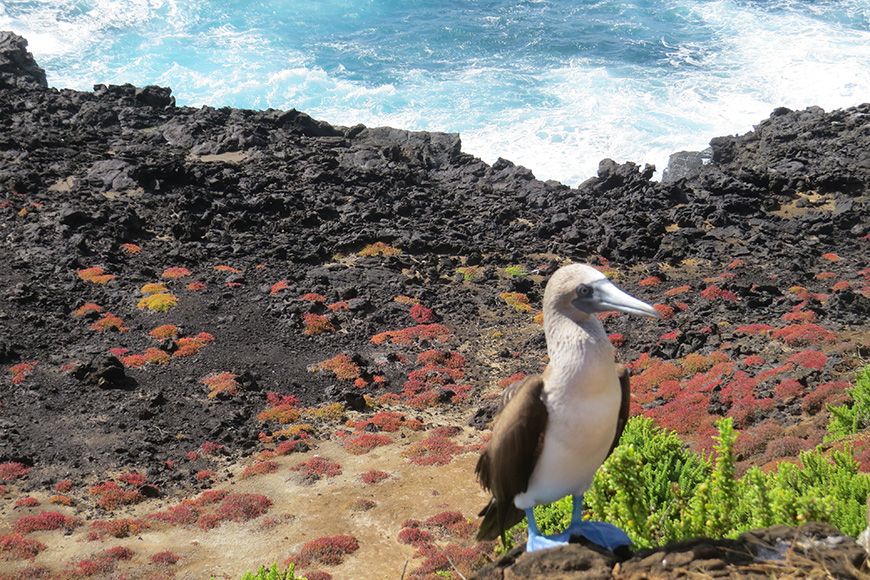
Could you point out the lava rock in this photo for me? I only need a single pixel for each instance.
(17, 66)
(155, 96)
(570, 561)
(802, 551)
(105, 372)
(685, 164)
(7, 352)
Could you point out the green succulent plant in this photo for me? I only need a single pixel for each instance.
(273, 573)
(853, 416)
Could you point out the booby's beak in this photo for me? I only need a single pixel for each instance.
(609, 297)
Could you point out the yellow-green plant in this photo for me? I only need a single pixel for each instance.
(469, 273)
(160, 302)
(516, 300)
(712, 509)
(379, 249)
(647, 483)
(854, 416)
(273, 573)
(516, 271)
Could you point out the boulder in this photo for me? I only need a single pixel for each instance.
(17, 66)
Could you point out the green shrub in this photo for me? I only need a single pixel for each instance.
(854, 416)
(646, 484)
(555, 517)
(658, 491)
(712, 510)
(272, 573)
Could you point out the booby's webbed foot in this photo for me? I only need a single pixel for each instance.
(538, 542)
(600, 533)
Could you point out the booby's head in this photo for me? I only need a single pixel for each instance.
(578, 290)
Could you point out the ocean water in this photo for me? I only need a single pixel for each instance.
(555, 85)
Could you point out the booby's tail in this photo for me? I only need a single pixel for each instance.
(497, 519)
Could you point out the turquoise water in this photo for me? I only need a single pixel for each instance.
(551, 84)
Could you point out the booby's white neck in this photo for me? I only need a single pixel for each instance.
(577, 347)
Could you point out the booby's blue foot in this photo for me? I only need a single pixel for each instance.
(538, 541)
(600, 533)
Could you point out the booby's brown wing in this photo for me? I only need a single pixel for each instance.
(506, 465)
(508, 394)
(624, 406)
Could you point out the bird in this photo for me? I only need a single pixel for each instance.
(554, 430)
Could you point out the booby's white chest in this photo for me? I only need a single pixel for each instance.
(583, 397)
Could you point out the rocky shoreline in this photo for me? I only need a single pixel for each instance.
(254, 221)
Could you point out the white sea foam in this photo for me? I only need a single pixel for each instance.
(792, 60)
(67, 27)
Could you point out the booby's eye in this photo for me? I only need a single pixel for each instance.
(584, 291)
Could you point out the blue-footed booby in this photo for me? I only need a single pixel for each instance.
(554, 430)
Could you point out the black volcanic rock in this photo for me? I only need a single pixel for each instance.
(105, 372)
(17, 67)
(810, 550)
(355, 187)
(7, 352)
